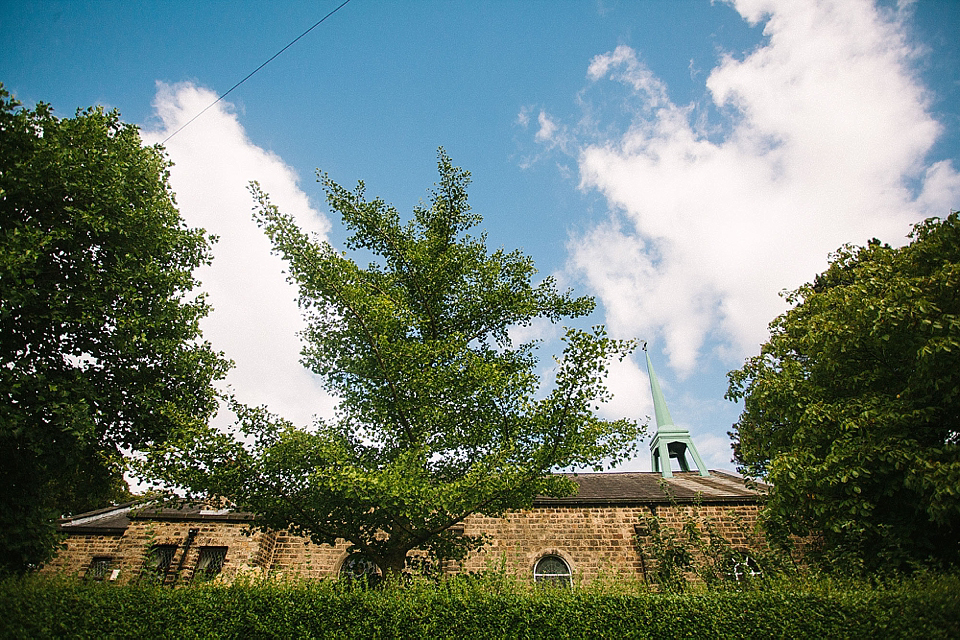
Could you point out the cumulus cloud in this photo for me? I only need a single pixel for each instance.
(630, 387)
(255, 318)
(716, 451)
(820, 137)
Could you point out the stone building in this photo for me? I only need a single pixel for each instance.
(599, 531)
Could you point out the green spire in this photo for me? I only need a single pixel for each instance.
(664, 421)
(670, 441)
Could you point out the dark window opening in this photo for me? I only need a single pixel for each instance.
(209, 563)
(158, 561)
(99, 568)
(360, 567)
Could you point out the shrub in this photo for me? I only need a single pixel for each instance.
(38, 607)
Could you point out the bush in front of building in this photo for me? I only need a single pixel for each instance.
(36, 607)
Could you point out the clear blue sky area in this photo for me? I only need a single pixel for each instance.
(594, 131)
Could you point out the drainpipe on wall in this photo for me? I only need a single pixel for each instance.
(191, 534)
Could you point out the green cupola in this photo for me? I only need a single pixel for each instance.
(670, 441)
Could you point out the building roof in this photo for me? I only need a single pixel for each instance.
(645, 487)
(114, 520)
(595, 489)
(106, 521)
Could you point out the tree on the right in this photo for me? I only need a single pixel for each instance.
(852, 408)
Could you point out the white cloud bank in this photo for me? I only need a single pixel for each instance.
(255, 317)
(824, 136)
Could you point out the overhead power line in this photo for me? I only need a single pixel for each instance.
(249, 75)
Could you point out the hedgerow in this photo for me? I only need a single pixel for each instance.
(37, 607)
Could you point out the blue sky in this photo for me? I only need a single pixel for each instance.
(682, 161)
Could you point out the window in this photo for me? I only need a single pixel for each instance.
(209, 563)
(552, 570)
(360, 567)
(743, 567)
(99, 568)
(158, 561)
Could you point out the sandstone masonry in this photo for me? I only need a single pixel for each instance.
(598, 532)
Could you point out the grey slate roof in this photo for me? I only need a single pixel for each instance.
(114, 520)
(107, 521)
(645, 487)
(599, 489)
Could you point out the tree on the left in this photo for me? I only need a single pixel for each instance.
(101, 353)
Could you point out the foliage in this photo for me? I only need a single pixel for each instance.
(929, 608)
(439, 414)
(99, 338)
(852, 408)
(695, 547)
(671, 550)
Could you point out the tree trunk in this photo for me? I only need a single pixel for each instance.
(393, 565)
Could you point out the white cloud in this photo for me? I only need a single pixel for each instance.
(539, 329)
(630, 387)
(548, 128)
(523, 117)
(624, 65)
(255, 317)
(716, 451)
(822, 140)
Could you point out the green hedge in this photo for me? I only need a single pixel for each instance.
(45, 608)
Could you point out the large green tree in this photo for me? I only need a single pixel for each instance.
(852, 408)
(99, 338)
(441, 413)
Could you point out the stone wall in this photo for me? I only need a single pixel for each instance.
(128, 552)
(593, 541)
(596, 541)
(298, 556)
(242, 545)
(735, 524)
(79, 551)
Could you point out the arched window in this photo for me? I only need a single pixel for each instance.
(359, 567)
(552, 570)
(743, 567)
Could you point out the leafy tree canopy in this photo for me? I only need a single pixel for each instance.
(99, 335)
(852, 408)
(440, 412)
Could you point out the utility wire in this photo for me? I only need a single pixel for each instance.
(249, 75)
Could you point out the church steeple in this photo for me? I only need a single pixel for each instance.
(669, 441)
